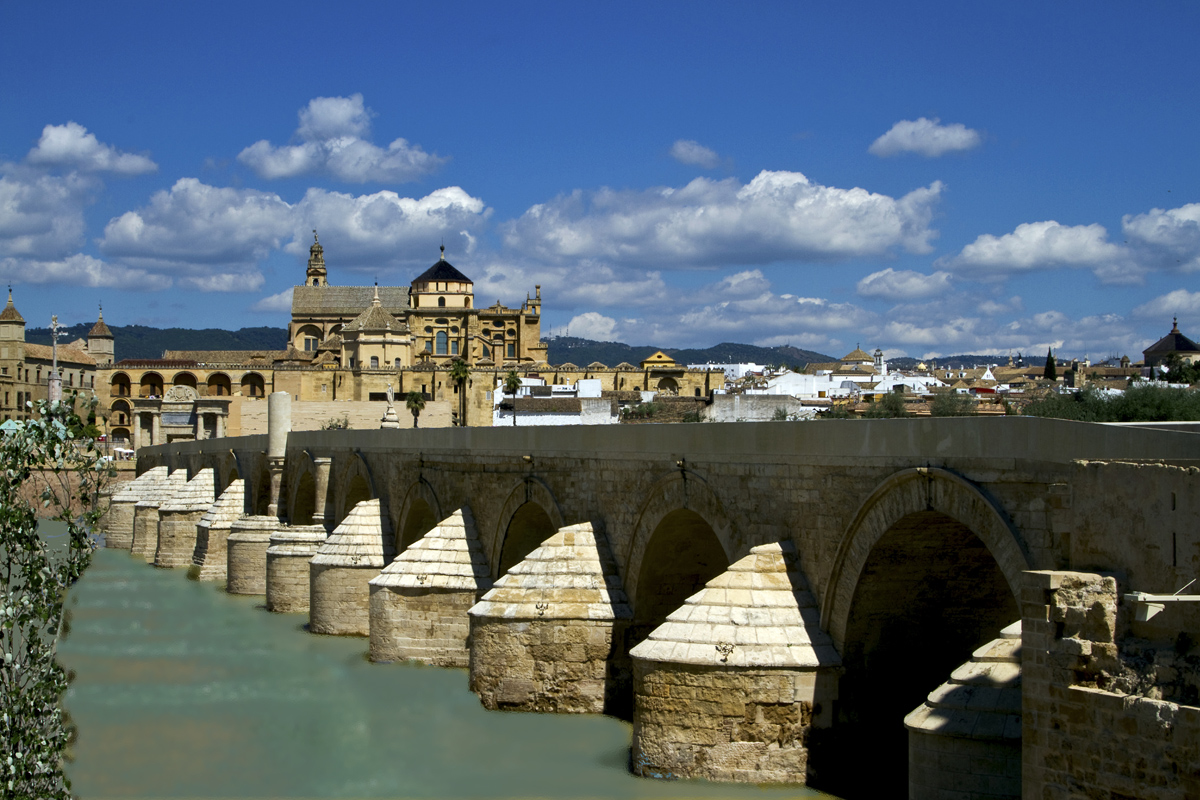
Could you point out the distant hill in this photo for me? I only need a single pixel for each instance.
(581, 352)
(138, 341)
(965, 361)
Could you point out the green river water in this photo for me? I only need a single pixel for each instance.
(186, 691)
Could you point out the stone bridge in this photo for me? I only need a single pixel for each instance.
(914, 539)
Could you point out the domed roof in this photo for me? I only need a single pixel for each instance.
(858, 354)
(443, 270)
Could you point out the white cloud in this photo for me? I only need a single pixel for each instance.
(41, 216)
(778, 216)
(1180, 301)
(72, 147)
(275, 303)
(209, 238)
(333, 135)
(906, 284)
(1167, 238)
(386, 230)
(592, 326)
(925, 137)
(1043, 245)
(992, 308)
(79, 270)
(687, 151)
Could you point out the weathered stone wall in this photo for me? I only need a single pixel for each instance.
(118, 526)
(559, 665)
(246, 560)
(722, 724)
(176, 538)
(420, 624)
(964, 769)
(287, 567)
(212, 552)
(145, 532)
(340, 600)
(364, 415)
(754, 408)
(1079, 738)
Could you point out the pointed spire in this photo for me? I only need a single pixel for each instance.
(1174, 320)
(100, 330)
(443, 257)
(10, 313)
(375, 301)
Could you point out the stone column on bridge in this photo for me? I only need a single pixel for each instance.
(212, 533)
(320, 504)
(220, 426)
(732, 684)
(118, 520)
(178, 518)
(145, 515)
(544, 637)
(275, 470)
(419, 603)
(340, 594)
(155, 429)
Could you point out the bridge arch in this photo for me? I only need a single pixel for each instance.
(420, 511)
(928, 570)
(303, 493)
(355, 485)
(682, 539)
(529, 516)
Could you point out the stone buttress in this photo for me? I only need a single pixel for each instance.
(246, 553)
(212, 533)
(118, 520)
(548, 636)
(733, 684)
(178, 517)
(340, 572)
(291, 548)
(145, 515)
(966, 737)
(419, 603)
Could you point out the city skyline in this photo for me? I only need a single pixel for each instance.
(931, 180)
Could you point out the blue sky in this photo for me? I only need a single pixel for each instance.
(929, 178)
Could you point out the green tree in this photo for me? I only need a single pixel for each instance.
(414, 401)
(952, 404)
(459, 373)
(890, 406)
(1180, 371)
(41, 458)
(512, 385)
(1050, 372)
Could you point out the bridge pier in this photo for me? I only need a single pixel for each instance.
(211, 555)
(246, 562)
(118, 520)
(178, 517)
(341, 571)
(290, 550)
(146, 515)
(734, 685)
(420, 602)
(544, 637)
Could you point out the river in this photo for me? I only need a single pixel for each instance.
(183, 690)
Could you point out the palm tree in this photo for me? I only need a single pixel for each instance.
(512, 385)
(459, 372)
(415, 401)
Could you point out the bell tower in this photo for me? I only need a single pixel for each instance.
(315, 275)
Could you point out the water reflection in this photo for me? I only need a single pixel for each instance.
(185, 691)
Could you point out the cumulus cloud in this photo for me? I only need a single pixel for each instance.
(208, 238)
(926, 137)
(1180, 301)
(41, 215)
(386, 230)
(1168, 238)
(1041, 245)
(905, 284)
(777, 216)
(592, 325)
(275, 303)
(687, 151)
(333, 138)
(79, 270)
(71, 146)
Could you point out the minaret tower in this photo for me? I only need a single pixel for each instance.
(100, 342)
(12, 332)
(315, 276)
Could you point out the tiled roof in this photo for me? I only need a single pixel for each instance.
(1173, 342)
(858, 354)
(448, 557)
(100, 330)
(364, 539)
(443, 270)
(347, 301)
(10, 313)
(197, 495)
(66, 354)
(758, 613)
(375, 319)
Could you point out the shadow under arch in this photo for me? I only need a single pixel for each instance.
(420, 511)
(929, 570)
(529, 516)
(355, 485)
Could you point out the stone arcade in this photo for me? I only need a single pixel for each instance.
(887, 554)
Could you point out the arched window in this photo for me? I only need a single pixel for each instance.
(397, 363)
(467, 301)
(441, 302)
(441, 343)
(374, 362)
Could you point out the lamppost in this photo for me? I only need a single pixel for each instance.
(54, 382)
